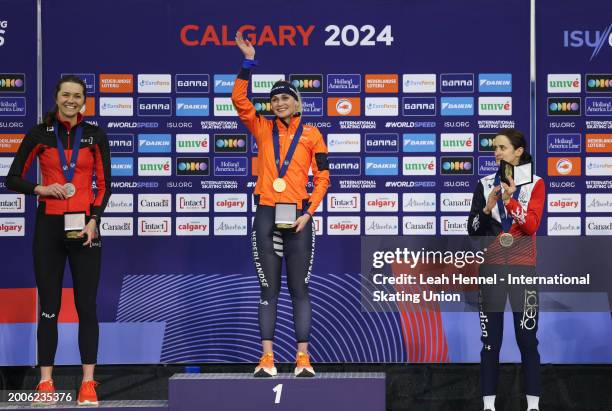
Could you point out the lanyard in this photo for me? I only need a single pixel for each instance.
(68, 169)
(276, 142)
(506, 220)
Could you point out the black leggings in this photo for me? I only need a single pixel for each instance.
(524, 301)
(50, 254)
(269, 248)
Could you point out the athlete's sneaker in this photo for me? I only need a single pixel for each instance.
(302, 365)
(87, 393)
(45, 393)
(266, 367)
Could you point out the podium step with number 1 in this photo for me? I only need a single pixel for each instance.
(325, 392)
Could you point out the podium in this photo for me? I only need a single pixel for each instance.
(285, 392)
(104, 405)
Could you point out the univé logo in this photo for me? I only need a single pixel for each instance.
(12, 83)
(595, 39)
(599, 83)
(564, 83)
(564, 106)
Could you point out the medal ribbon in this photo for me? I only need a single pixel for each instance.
(276, 142)
(506, 220)
(68, 169)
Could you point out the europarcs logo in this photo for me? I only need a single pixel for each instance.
(3, 27)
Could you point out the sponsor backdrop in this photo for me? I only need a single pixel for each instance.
(18, 95)
(408, 113)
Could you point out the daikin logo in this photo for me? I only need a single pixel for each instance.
(595, 39)
(224, 83)
(495, 82)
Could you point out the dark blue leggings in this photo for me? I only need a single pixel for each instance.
(270, 247)
(525, 303)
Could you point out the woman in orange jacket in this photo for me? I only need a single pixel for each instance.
(287, 150)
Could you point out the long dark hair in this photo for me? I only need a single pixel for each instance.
(50, 115)
(517, 139)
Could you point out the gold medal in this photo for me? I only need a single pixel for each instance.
(506, 239)
(279, 185)
(70, 189)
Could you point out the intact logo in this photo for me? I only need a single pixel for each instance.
(312, 106)
(419, 83)
(599, 83)
(485, 142)
(154, 203)
(12, 106)
(456, 142)
(564, 226)
(381, 106)
(117, 226)
(192, 203)
(12, 227)
(192, 166)
(154, 166)
(419, 143)
(598, 106)
(344, 225)
(122, 166)
(595, 39)
(224, 83)
(564, 83)
(307, 83)
(154, 106)
(262, 83)
(154, 143)
(381, 166)
(192, 143)
(263, 106)
(12, 203)
(419, 166)
(192, 83)
(343, 106)
(381, 225)
(457, 165)
(231, 166)
(563, 106)
(343, 83)
(344, 143)
(564, 143)
(223, 107)
(453, 225)
(457, 106)
(230, 226)
(192, 226)
(381, 143)
(121, 143)
(598, 166)
(192, 107)
(457, 83)
(88, 78)
(230, 143)
(230, 203)
(9, 143)
(346, 202)
(564, 166)
(344, 166)
(116, 106)
(487, 165)
(419, 225)
(116, 83)
(494, 106)
(154, 83)
(12, 83)
(419, 106)
(381, 83)
(154, 226)
(564, 203)
(381, 202)
(598, 143)
(495, 82)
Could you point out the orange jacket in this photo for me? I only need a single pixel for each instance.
(305, 156)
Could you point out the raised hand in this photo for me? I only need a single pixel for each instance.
(245, 46)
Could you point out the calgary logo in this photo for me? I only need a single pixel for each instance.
(594, 39)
